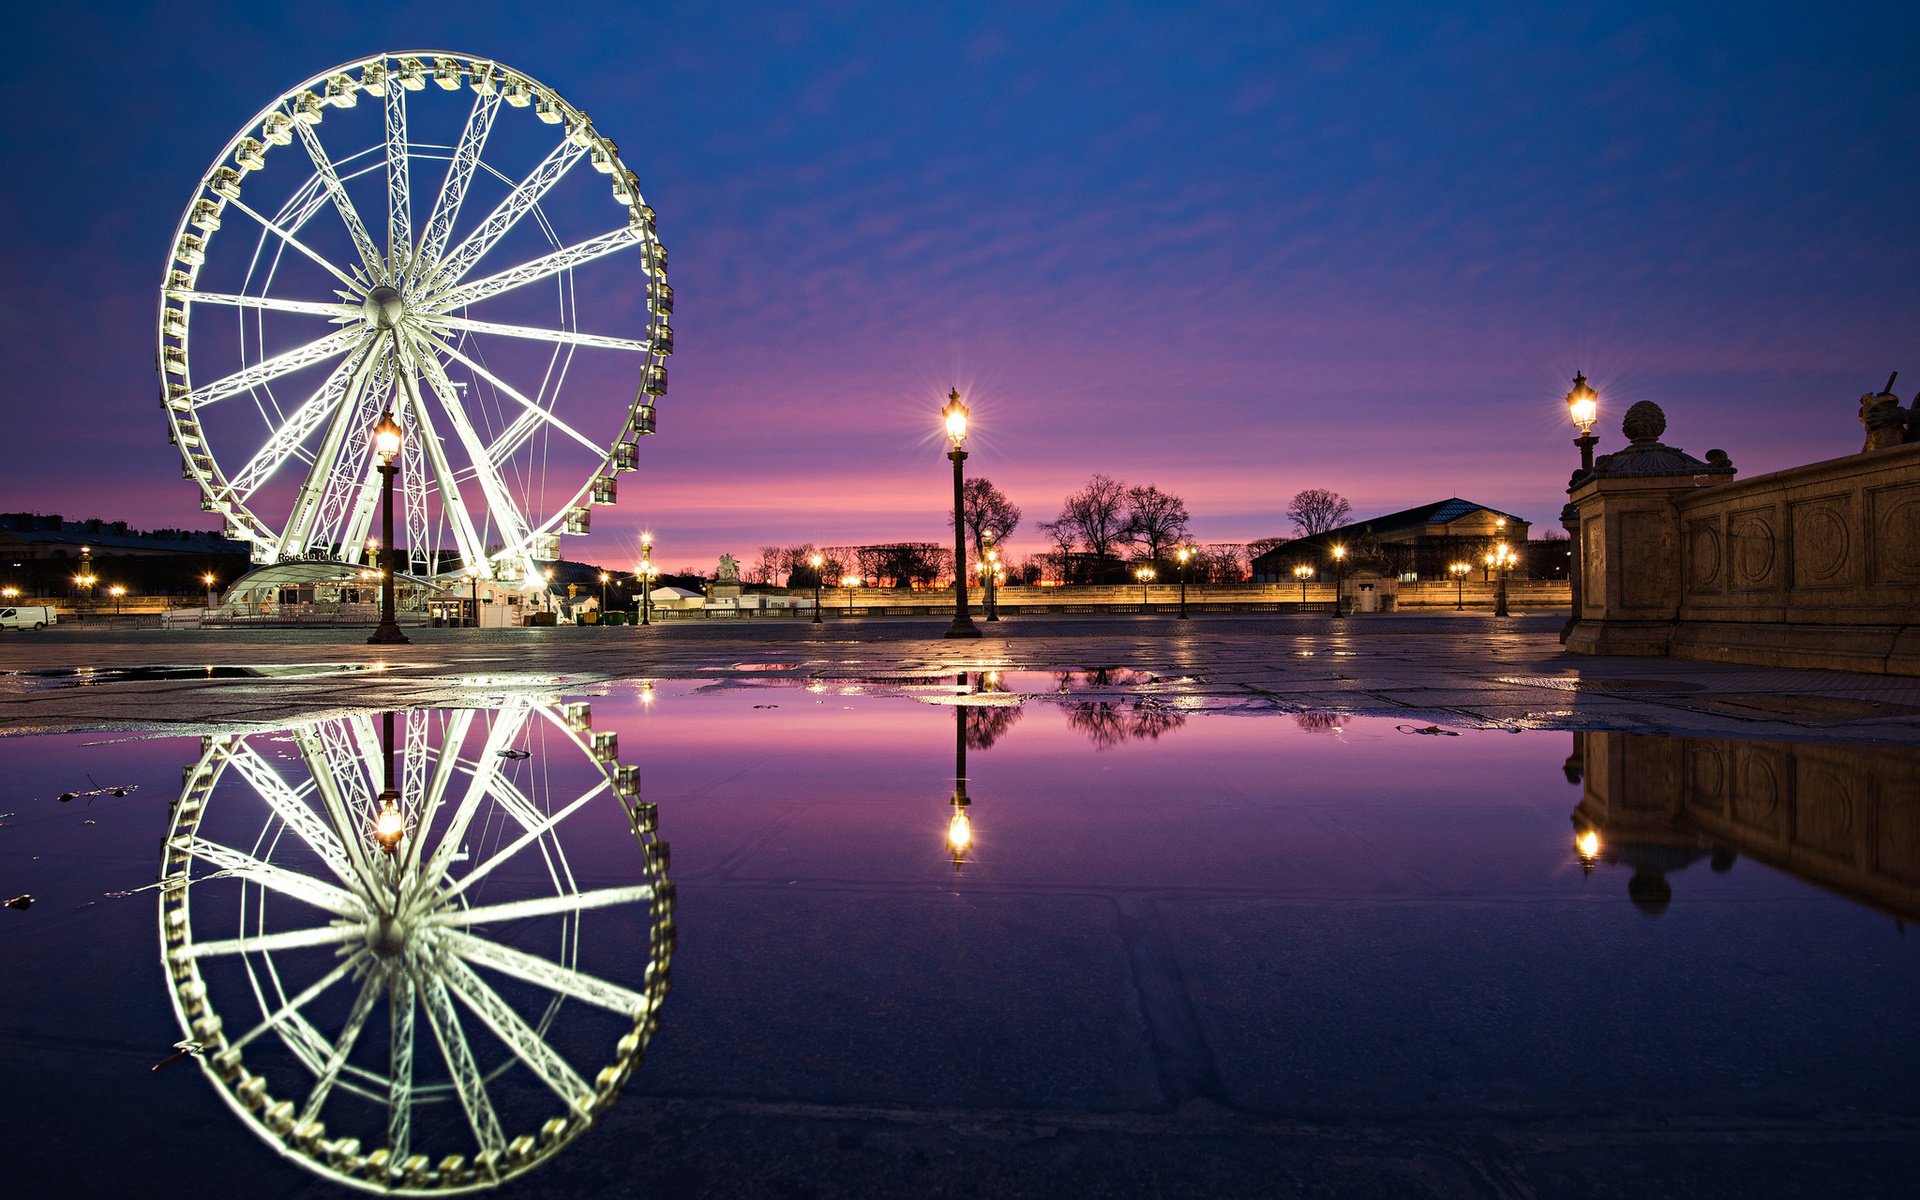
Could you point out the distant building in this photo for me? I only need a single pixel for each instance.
(32, 537)
(1419, 542)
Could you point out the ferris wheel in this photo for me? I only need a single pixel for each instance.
(433, 235)
(374, 980)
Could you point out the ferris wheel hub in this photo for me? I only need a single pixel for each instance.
(384, 307)
(388, 936)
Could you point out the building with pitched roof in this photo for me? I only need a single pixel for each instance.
(1418, 543)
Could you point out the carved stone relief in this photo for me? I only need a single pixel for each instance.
(1703, 555)
(1751, 533)
(1894, 522)
(1822, 545)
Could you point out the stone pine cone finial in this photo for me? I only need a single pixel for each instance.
(1644, 422)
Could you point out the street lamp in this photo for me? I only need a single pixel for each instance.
(1185, 555)
(1339, 577)
(116, 591)
(646, 578)
(850, 582)
(1303, 572)
(387, 437)
(473, 592)
(817, 562)
(1145, 576)
(991, 572)
(389, 823)
(960, 826)
(954, 415)
(1459, 572)
(209, 580)
(1500, 560)
(1583, 405)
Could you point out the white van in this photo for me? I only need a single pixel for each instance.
(26, 617)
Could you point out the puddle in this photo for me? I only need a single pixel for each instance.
(62, 677)
(974, 895)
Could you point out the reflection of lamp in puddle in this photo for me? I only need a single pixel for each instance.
(1586, 844)
(389, 823)
(960, 827)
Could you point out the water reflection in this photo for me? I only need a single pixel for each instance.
(302, 863)
(1108, 723)
(1845, 818)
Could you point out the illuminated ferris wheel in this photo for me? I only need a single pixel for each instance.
(428, 987)
(433, 235)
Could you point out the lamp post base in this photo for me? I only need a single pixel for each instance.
(962, 627)
(385, 634)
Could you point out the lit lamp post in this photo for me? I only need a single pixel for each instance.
(850, 582)
(1583, 405)
(955, 416)
(1185, 555)
(1303, 572)
(818, 562)
(1339, 577)
(1500, 560)
(1145, 576)
(209, 580)
(116, 591)
(1459, 572)
(1586, 847)
(386, 445)
(991, 571)
(646, 578)
(473, 592)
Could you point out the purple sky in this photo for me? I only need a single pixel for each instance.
(1233, 250)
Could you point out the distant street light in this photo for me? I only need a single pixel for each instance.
(387, 437)
(646, 574)
(991, 571)
(1500, 560)
(116, 591)
(1145, 576)
(1459, 572)
(1303, 572)
(1184, 554)
(954, 415)
(817, 562)
(1339, 578)
(209, 580)
(603, 593)
(850, 582)
(473, 592)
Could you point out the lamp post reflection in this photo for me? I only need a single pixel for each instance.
(960, 826)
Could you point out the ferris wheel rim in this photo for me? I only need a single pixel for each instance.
(525, 533)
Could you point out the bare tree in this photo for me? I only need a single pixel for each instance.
(1317, 510)
(1156, 520)
(768, 568)
(1061, 534)
(1097, 514)
(986, 510)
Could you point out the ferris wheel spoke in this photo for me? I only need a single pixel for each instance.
(307, 502)
(520, 843)
(453, 191)
(530, 968)
(534, 270)
(356, 228)
(293, 811)
(290, 1010)
(286, 236)
(467, 1079)
(293, 431)
(400, 1067)
(318, 308)
(517, 1035)
(506, 729)
(335, 933)
(317, 351)
(370, 989)
(328, 776)
(506, 514)
(453, 504)
(454, 737)
(543, 906)
(565, 337)
(514, 393)
(526, 195)
(399, 192)
(242, 865)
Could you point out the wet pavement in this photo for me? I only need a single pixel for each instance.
(1467, 670)
(1232, 910)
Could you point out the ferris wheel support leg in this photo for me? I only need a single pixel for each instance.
(507, 517)
(306, 505)
(473, 551)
